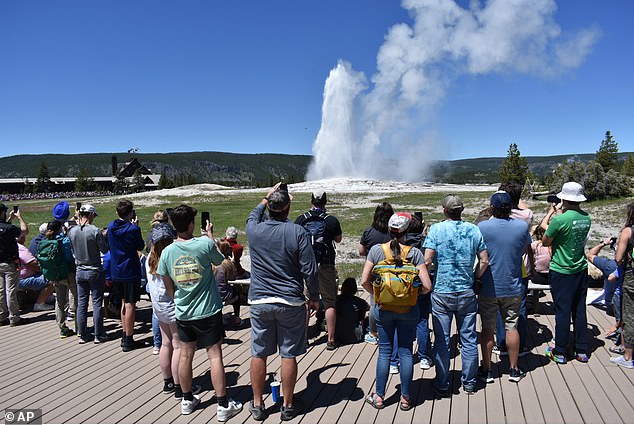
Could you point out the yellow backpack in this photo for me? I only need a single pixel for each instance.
(394, 288)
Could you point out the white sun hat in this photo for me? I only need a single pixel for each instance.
(572, 191)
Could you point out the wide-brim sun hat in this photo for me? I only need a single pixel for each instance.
(573, 192)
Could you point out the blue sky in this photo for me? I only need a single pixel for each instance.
(248, 77)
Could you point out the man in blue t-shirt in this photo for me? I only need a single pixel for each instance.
(453, 246)
(507, 239)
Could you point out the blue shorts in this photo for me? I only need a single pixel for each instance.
(606, 265)
(276, 326)
(34, 283)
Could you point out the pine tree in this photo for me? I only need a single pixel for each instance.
(628, 166)
(607, 155)
(43, 182)
(84, 182)
(515, 167)
(138, 182)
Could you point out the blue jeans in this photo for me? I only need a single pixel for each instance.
(388, 323)
(422, 332)
(464, 307)
(156, 330)
(569, 298)
(90, 282)
(500, 332)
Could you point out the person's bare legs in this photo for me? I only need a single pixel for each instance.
(486, 344)
(258, 378)
(166, 352)
(289, 377)
(628, 353)
(331, 320)
(130, 313)
(185, 366)
(217, 369)
(513, 346)
(44, 294)
(176, 352)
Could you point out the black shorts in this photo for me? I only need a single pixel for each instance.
(208, 331)
(130, 292)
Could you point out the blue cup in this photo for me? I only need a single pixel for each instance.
(275, 391)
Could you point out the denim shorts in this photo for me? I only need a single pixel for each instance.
(508, 306)
(34, 283)
(276, 326)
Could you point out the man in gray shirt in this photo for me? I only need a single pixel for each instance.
(282, 265)
(89, 243)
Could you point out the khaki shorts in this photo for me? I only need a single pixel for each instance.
(508, 306)
(328, 285)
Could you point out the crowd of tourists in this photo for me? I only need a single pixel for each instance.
(8, 197)
(415, 274)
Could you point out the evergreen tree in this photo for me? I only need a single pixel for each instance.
(607, 155)
(628, 166)
(515, 167)
(43, 182)
(84, 182)
(120, 185)
(164, 182)
(138, 182)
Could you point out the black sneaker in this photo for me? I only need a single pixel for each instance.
(288, 413)
(168, 388)
(516, 375)
(258, 412)
(4, 322)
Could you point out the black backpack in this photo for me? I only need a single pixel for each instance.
(315, 226)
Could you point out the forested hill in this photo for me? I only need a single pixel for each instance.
(252, 169)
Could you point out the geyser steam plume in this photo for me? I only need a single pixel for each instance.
(367, 126)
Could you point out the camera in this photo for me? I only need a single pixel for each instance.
(612, 242)
(553, 199)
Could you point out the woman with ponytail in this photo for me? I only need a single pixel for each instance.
(389, 322)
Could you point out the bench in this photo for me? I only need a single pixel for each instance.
(533, 293)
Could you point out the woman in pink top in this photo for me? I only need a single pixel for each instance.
(541, 255)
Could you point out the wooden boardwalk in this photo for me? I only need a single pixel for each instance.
(90, 383)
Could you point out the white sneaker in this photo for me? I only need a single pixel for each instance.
(393, 369)
(226, 413)
(620, 360)
(156, 351)
(425, 364)
(187, 407)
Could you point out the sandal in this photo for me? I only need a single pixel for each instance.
(374, 400)
(404, 404)
(617, 349)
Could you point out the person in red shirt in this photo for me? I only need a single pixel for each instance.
(237, 249)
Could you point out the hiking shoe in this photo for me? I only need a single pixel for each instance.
(516, 375)
(331, 345)
(500, 350)
(187, 406)
(289, 413)
(371, 339)
(178, 391)
(19, 321)
(65, 333)
(43, 307)
(486, 375)
(425, 363)
(582, 357)
(620, 360)
(557, 358)
(258, 412)
(225, 413)
(393, 369)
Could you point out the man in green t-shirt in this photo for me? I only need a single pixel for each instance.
(186, 269)
(568, 278)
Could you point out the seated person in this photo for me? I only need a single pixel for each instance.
(236, 248)
(541, 256)
(224, 273)
(350, 314)
(37, 239)
(31, 277)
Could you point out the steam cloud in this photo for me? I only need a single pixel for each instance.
(382, 130)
